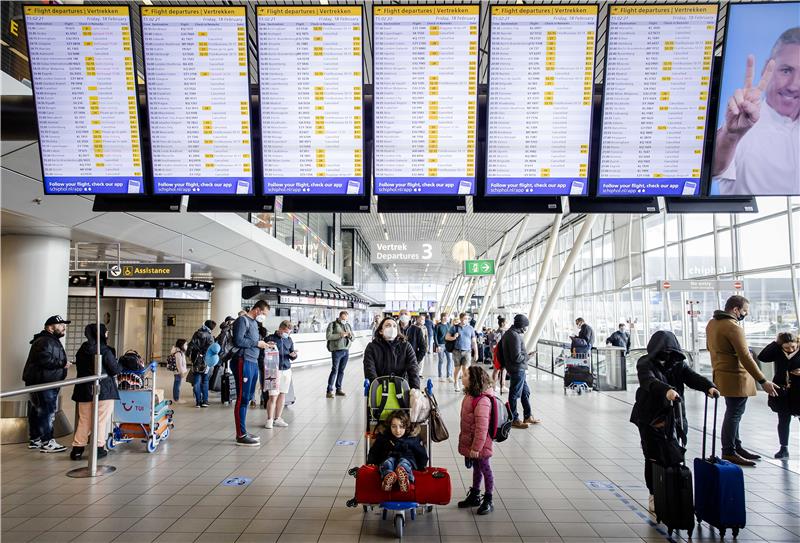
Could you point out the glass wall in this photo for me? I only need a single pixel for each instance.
(614, 279)
(295, 230)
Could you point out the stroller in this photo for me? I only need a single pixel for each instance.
(431, 486)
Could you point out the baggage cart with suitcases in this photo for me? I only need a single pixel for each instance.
(578, 376)
(718, 486)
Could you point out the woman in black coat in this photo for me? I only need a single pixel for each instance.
(663, 373)
(83, 393)
(784, 353)
(390, 354)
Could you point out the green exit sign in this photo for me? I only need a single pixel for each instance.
(479, 267)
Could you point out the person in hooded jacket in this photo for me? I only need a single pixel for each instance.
(390, 354)
(663, 374)
(785, 353)
(83, 393)
(513, 358)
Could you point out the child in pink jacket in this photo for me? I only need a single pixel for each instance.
(474, 442)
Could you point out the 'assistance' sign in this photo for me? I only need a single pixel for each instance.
(150, 271)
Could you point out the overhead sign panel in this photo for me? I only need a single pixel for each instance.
(541, 75)
(655, 106)
(390, 252)
(150, 270)
(198, 96)
(311, 99)
(479, 267)
(693, 285)
(86, 104)
(426, 72)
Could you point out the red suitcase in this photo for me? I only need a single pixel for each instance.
(368, 486)
(432, 486)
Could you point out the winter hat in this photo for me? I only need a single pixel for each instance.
(521, 321)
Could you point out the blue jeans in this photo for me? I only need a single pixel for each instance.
(42, 408)
(391, 464)
(734, 409)
(518, 388)
(430, 341)
(176, 388)
(245, 375)
(201, 388)
(338, 363)
(445, 360)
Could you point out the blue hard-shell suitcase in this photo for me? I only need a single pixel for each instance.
(718, 487)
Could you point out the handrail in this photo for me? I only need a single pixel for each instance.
(49, 386)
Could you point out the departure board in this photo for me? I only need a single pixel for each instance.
(541, 74)
(86, 104)
(426, 71)
(198, 95)
(658, 70)
(311, 99)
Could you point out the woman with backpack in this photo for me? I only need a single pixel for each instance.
(176, 363)
(474, 442)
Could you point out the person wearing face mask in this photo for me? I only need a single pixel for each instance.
(735, 373)
(83, 394)
(286, 353)
(245, 367)
(46, 363)
(339, 336)
(466, 346)
(390, 354)
(405, 321)
(513, 358)
(663, 374)
(784, 353)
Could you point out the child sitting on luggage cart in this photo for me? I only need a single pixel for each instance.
(396, 452)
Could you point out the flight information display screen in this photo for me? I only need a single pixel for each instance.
(198, 95)
(311, 99)
(655, 106)
(426, 72)
(540, 100)
(757, 143)
(86, 104)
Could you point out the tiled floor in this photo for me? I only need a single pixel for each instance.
(300, 484)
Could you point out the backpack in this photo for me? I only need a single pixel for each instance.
(172, 364)
(450, 344)
(131, 361)
(196, 350)
(499, 419)
(387, 394)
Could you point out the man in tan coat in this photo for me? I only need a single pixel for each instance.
(735, 374)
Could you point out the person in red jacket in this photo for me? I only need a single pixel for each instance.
(474, 442)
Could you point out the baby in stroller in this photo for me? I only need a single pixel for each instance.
(397, 451)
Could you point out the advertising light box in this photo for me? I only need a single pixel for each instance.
(426, 73)
(655, 104)
(541, 74)
(311, 81)
(198, 94)
(757, 143)
(86, 103)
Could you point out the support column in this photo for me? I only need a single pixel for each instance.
(226, 298)
(552, 243)
(506, 265)
(449, 307)
(35, 282)
(468, 295)
(583, 235)
(491, 282)
(443, 297)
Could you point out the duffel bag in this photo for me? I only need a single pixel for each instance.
(368, 486)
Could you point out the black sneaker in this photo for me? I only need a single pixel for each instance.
(35, 444)
(52, 446)
(253, 436)
(101, 452)
(247, 441)
(204, 405)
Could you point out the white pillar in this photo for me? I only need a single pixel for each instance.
(226, 299)
(583, 235)
(468, 295)
(491, 282)
(450, 306)
(544, 272)
(35, 282)
(443, 298)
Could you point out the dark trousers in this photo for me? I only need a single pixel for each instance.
(176, 388)
(650, 449)
(42, 408)
(245, 374)
(734, 409)
(518, 389)
(201, 388)
(338, 363)
(784, 423)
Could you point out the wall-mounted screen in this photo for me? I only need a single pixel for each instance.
(198, 96)
(655, 105)
(426, 73)
(541, 74)
(86, 103)
(757, 143)
(312, 113)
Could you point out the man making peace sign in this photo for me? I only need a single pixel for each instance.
(757, 148)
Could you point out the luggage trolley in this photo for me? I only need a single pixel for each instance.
(578, 376)
(397, 508)
(137, 414)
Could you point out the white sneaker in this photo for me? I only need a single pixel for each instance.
(456, 388)
(651, 504)
(449, 379)
(52, 446)
(268, 425)
(280, 423)
(442, 379)
(35, 444)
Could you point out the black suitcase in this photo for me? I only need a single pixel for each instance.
(228, 389)
(672, 487)
(215, 383)
(578, 373)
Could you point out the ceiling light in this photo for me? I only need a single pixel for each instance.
(444, 218)
(380, 216)
(385, 235)
(439, 233)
